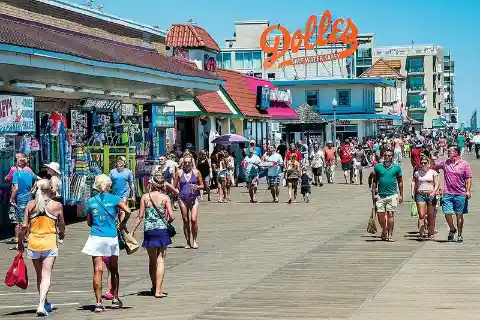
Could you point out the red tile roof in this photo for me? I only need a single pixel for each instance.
(212, 103)
(381, 69)
(237, 88)
(190, 36)
(38, 36)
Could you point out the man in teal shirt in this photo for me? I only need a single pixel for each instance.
(385, 194)
(461, 143)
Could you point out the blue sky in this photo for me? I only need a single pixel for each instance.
(439, 22)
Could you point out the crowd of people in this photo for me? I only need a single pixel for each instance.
(183, 179)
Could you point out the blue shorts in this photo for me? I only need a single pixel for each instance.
(454, 204)
(273, 180)
(419, 197)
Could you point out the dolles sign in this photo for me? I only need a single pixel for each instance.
(340, 31)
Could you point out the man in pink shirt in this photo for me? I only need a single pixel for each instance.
(18, 155)
(458, 181)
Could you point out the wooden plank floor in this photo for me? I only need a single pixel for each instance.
(279, 261)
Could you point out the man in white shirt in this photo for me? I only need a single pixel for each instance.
(476, 141)
(317, 162)
(275, 162)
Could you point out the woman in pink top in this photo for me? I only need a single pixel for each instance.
(424, 190)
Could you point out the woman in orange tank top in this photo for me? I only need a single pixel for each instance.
(43, 220)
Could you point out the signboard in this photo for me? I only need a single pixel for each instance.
(343, 122)
(101, 105)
(385, 122)
(16, 114)
(181, 53)
(316, 35)
(263, 97)
(163, 116)
(209, 62)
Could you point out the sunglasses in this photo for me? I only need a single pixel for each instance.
(424, 163)
(389, 155)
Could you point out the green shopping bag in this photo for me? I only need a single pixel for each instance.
(413, 209)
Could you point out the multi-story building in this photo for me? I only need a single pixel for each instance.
(422, 66)
(450, 108)
(242, 53)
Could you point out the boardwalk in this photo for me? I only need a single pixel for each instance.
(280, 261)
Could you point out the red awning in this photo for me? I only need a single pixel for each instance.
(282, 113)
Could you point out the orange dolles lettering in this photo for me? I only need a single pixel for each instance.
(298, 40)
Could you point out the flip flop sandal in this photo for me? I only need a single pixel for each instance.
(163, 295)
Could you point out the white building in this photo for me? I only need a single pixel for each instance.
(242, 53)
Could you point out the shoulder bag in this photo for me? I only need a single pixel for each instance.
(170, 228)
(125, 239)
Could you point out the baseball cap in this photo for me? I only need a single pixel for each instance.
(252, 141)
(330, 142)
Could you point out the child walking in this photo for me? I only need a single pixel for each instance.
(305, 188)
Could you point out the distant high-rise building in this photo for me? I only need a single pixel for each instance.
(473, 121)
(423, 91)
(450, 108)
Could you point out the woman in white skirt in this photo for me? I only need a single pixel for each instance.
(103, 212)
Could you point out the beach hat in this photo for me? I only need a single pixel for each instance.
(54, 166)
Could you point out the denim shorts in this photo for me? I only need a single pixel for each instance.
(422, 197)
(454, 204)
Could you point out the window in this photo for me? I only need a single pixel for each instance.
(415, 65)
(364, 56)
(361, 70)
(224, 60)
(413, 101)
(312, 98)
(415, 83)
(248, 60)
(343, 97)
(239, 61)
(257, 60)
(271, 76)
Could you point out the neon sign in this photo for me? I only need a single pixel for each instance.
(285, 42)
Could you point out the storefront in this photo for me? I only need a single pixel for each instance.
(17, 129)
(85, 108)
(361, 125)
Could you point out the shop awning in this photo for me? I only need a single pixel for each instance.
(365, 116)
(238, 90)
(121, 60)
(216, 103)
(186, 108)
(253, 83)
(305, 115)
(281, 110)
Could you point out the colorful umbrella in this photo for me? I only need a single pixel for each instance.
(229, 139)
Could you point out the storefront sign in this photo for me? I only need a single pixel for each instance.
(278, 95)
(101, 105)
(209, 62)
(181, 53)
(343, 122)
(385, 122)
(16, 114)
(285, 42)
(263, 97)
(163, 116)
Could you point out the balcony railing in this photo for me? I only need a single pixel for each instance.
(418, 69)
(415, 88)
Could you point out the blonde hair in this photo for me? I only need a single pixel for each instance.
(157, 181)
(22, 162)
(44, 189)
(102, 183)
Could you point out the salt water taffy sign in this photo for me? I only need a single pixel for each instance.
(16, 114)
(338, 31)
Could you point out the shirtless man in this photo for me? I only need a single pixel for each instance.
(398, 144)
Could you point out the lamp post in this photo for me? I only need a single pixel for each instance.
(334, 106)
